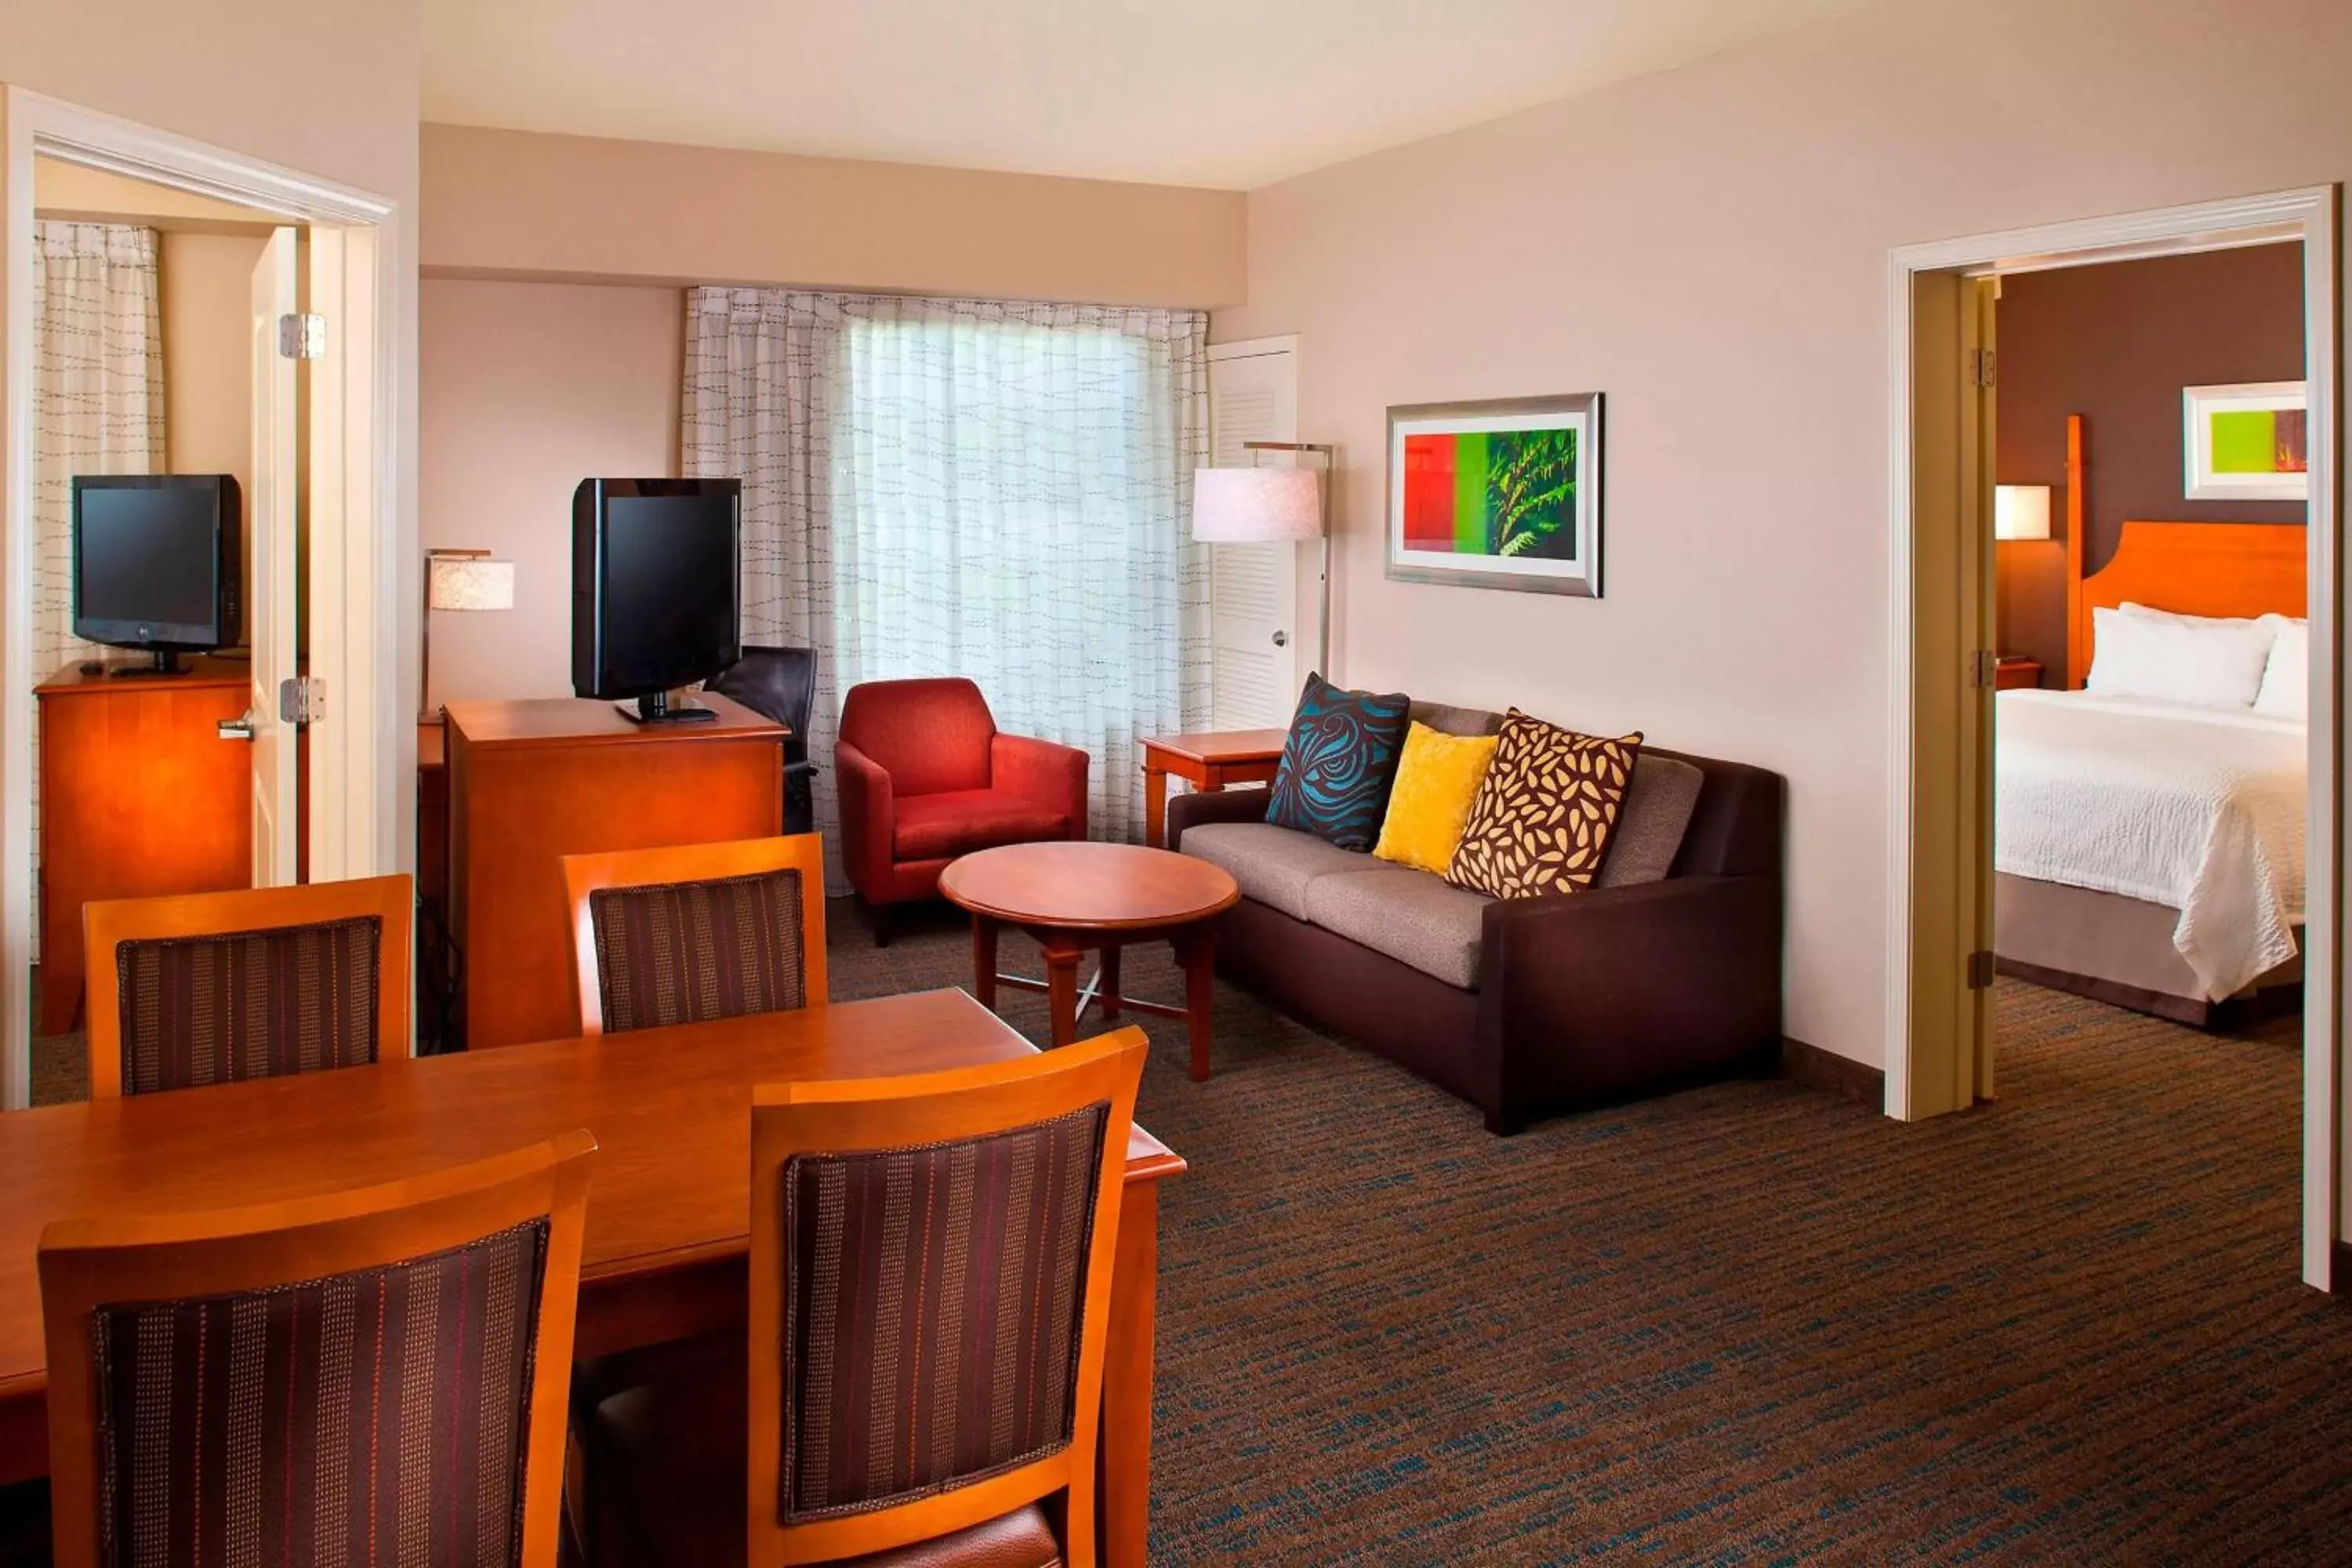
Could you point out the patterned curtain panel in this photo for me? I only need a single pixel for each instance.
(967, 486)
(97, 406)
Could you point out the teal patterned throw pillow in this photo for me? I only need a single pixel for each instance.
(1339, 763)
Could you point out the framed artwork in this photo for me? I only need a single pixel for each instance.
(2246, 442)
(1503, 494)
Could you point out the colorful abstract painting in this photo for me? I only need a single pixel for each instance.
(1499, 495)
(2248, 442)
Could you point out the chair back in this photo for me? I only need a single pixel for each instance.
(372, 1375)
(929, 736)
(209, 988)
(930, 1292)
(777, 683)
(697, 932)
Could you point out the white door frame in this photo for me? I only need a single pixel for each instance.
(1916, 1063)
(355, 512)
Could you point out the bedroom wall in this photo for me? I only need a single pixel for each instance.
(1709, 246)
(2116, 344)
(528, 389)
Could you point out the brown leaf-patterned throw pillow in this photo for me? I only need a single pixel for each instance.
(1542, 819)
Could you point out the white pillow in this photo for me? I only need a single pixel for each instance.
(2286, 679)
(2193, 660)
(2149, 613)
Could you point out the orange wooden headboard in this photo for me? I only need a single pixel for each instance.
(2192, 569)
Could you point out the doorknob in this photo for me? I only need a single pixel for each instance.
(1282, 639)
(237, 728)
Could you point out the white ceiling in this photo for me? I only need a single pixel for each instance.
(1232, 93)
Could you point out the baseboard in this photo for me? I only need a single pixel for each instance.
(1832, 1074)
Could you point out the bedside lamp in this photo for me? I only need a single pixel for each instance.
(2021, 512)
(1270, 506)
(457, 580)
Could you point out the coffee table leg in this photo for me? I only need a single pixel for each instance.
(983, 962)
(1106, 984)
(1062, 988)
(1196, 949)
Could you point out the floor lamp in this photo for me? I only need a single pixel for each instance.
(1272, 506)
(457, 580)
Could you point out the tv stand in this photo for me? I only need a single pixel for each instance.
(656, 709)
(162, 661)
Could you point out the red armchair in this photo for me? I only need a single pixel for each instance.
(925, 777)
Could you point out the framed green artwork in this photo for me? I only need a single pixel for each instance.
(2247, 442)
(1501, 494)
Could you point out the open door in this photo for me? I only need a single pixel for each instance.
(271, 503)
(1255, 652)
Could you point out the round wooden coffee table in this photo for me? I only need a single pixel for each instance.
(1076, 898)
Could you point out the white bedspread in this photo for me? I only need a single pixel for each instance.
(2196, 808)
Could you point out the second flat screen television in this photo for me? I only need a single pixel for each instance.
(655, 590)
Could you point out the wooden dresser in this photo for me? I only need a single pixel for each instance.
(532, 781)
(140, 796)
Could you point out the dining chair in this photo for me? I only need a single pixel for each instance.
(208, 988)
(361, 1376)
(921, 1383)
(697, 932)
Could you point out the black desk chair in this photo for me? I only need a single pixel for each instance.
(779, 683)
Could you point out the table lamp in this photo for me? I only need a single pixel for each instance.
(457, 580)
(1271, 506)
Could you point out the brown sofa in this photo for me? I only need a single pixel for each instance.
(1666, 971)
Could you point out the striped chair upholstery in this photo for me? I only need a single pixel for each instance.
(377, 1416)
(691, 952)
(259, 1003)
(932, 1299)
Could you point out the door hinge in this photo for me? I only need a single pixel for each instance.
(1982, 367)
(1980, 971)
(1984, 668)
(301, 701)
(302, 336)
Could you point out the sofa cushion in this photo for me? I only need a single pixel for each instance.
(1272, 865)
(1542, 820)
(1337, 763)
(1414, 917)
(959, 821)
(1650, 828)
(1448, 719)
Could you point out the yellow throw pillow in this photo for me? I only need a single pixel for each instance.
(1437, 777)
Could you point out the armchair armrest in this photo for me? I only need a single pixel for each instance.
(869, 819)
(1589, 994)
(1195, 807)
(1052, 775)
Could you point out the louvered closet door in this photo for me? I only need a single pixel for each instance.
(1258, 654)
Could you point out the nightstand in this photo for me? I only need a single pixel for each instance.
(2014, 670)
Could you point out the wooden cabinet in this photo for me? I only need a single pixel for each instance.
(2014, 670)
(532, 781)
(140, 797)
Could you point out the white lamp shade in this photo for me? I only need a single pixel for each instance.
(1255, 506)
(2021, 512)
(470, 583)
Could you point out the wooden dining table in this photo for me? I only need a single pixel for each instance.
(668, 1207)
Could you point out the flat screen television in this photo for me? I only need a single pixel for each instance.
(656, 572)
(155, 564)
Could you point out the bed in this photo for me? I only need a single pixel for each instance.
(2149, 852)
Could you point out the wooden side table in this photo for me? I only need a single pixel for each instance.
(1207, 760)
(2012, 671)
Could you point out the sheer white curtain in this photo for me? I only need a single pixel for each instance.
(98, 408)
(965, 487)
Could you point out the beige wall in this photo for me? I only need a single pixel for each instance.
(529, 388)
(207, 296)
(1709, 247)
(522, 205)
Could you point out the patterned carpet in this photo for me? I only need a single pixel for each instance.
(1748, 1324)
